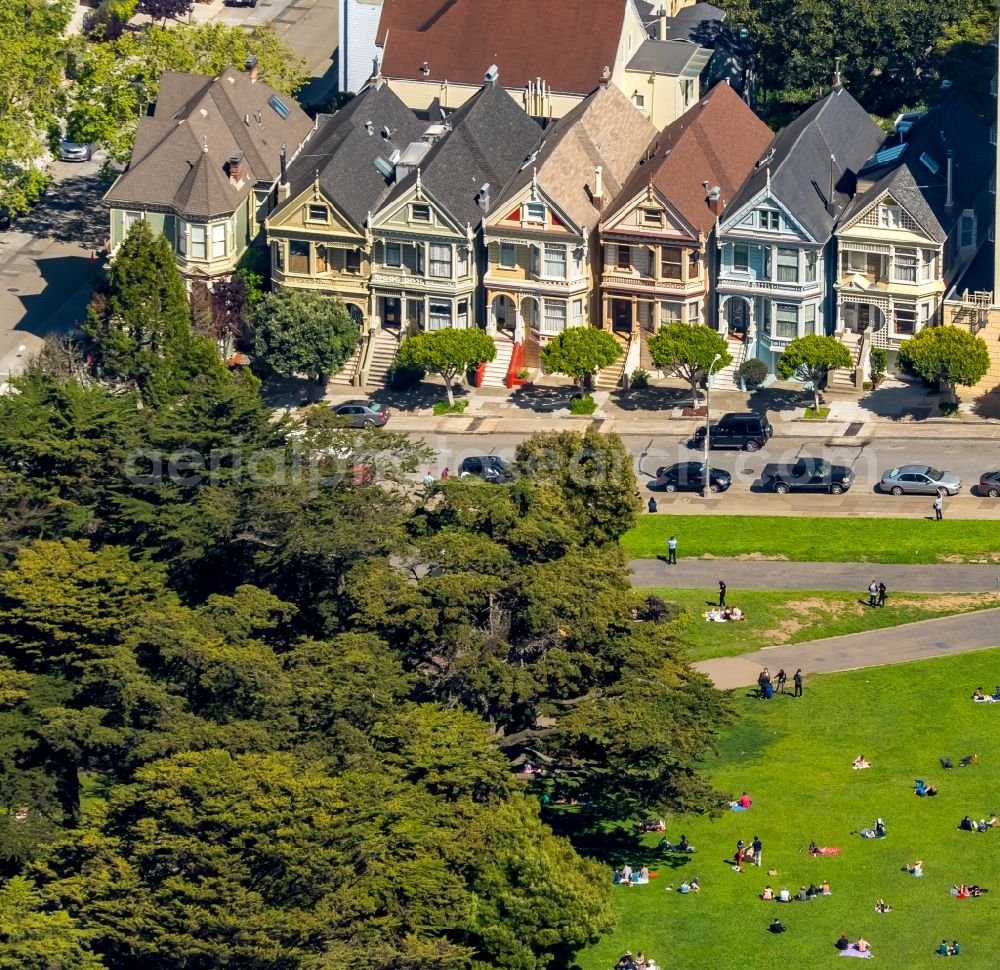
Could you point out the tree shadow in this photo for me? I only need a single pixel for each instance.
(543, 399)
(70, 212)
(897, 401)
(61, 305)
(765, 399)
(421, 396)
(987, 405)
(650, 398)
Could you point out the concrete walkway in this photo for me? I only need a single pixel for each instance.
(780, 574)
(923, 640)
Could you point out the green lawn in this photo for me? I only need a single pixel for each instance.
(777, 617)
(794, 758)
(795, 538)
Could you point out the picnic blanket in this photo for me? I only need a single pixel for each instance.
(737, 807)
(826, 850)
(867, 955)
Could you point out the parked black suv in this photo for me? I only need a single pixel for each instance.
(807, 475)
(490, 468)
(689, 476)
(746, 431)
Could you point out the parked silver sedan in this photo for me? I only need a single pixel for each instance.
(920, 480)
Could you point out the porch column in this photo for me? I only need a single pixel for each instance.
(605, 312)
(635, 315)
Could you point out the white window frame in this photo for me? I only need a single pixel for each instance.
(786, 262)
(906, 266)
(745, 268)
(463, 262)
(554, 311)
(694, 312)
(533, 212)
(439, 261)
(312, 208)
(809, 318)
(639, 101)
(181, 237)
(786, 308)
(436, 320)
(555, 261)
(770, 220)
(462, 314)
(671, 311)
(218, 240)
(199, 240)
(421, 208)
(578, 313)
(129, 219)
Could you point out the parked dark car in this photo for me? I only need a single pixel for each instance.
(746, 431)
(689, 476)
(241, 3)
(362, 414)
(989, 484)
(490, 468)
(807, 475)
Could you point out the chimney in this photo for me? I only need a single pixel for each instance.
(237, 168)
(284, 189)
(831, 206)
(605, 76)
(836, 73)
(483, 197)
(715, 200)
(252, 68)
(597, 196)
(491, 75)
(949, 202)
(661, 32)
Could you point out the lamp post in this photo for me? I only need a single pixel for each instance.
(708, 411)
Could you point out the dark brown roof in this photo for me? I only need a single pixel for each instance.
(567, 43)
(179, 159)
(717, 141)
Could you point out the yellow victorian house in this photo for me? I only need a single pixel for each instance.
(540, 233)
(923, 209)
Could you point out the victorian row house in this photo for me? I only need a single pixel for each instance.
(540, 231)
(657, 240)
(206, 165)
(776, 240)
(924, 206)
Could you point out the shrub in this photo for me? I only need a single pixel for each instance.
(523, 374)
(583, 405)
(640, 379)
(878, 359)
(443, 407)
(753, 372)
(404, 377)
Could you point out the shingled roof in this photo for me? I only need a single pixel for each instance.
(917, 178)
(179, 159)
(345, 147)
(717, 141)
(566, 43)
(800, 162)
(604, 129)
(489, 140)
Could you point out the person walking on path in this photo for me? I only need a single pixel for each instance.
(872, 592)
(798, 682)
(722, 595)
(938, 508)
(672, 551)
(881, 595)
(446, 473)
(757, 846)
(782, 677)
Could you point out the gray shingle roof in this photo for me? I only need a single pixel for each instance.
(180, 154)
(952, 126)
(799, 162)
(699, 23)
(491, 137)
(667, 57)
(344, 152)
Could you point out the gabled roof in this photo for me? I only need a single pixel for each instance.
(345, 147)
(717, 141)
(604, 129)
(566, 43)
(489, 140)
(179, 159)
(917, 178)
(799, 162)
(699, 23)
(671, 58)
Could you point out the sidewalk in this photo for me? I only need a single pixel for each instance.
(780, 574)
(940, 637)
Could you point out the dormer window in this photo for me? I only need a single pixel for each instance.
(890, 217)
(534, 212)
(652, 217)
(770, 219)
(317, 212)
(420, 213)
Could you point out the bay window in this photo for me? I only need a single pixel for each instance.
(809, 319)
(462, 316)
(198, 242)
(554, 317)
(463, 261)
(811, 259)
(786, 320)
(788, 265)
(905, 318)
(578, 313)
(218, 240)
(393, 254)
(904, 267)
(671, 312)
(298, 256)
(555, 261)
(670, 263)
(440, 260)
(440, 316)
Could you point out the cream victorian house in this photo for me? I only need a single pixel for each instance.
(318, 234)
(657, 238)
(205, 166)
(540, 234)
(924, 205)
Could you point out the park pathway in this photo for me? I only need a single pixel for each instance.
(938, 637)
(782, 574)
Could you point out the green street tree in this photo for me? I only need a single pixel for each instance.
(114, 83)
(448, 353)
(580, 353)
(32, 95)
(306, 333)
(947, 354)
(813, 358)
(140, 322)
(688, 351)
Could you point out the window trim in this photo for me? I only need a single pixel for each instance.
(526, 213)
(513, 256)
(311, 217)
(423, 207)
(745, 267)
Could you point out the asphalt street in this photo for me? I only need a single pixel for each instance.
(968, 459)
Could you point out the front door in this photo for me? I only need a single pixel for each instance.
(391, 313)
(739, 319)
(621, 316)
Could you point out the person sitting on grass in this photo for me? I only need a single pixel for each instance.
(861, 762)
(862, 945)
(915, 868)
(767, 895)
(967, 825)
(954, 950)
(824, 888)
(776, 926)
(744, 801)
(969, 759)
(843, 943)
(978, 695)
(881, 906)
(784, 896)
(942, 950)
(684, 845)
(812, 892)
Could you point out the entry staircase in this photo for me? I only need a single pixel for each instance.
(383, 355)
(842, 379)
(347, 375)
(495, 373)
(727, 378)
(610, 378)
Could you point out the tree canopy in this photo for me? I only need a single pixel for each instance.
(812, 358)
(689, 351)
(580, 353)
(450, 353)
(949, 354)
